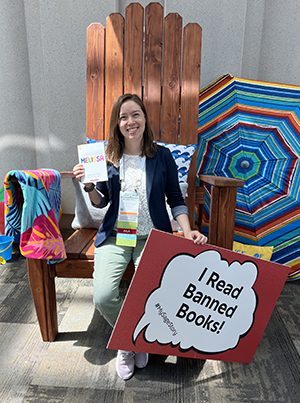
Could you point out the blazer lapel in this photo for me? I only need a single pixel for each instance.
(150, 169)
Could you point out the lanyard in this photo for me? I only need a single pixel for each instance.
(127, 222)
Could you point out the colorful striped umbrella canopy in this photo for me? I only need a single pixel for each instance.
(250, 130)
(2, 210)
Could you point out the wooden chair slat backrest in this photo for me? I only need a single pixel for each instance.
(133, 59)
(171, 78)
(114, 57)
(192, 35)
(192, 41)
(153, 65)
(95, 80)
(152, 56)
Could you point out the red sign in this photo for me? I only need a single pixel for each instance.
(197, 301)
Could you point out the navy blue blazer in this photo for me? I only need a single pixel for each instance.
(161, 183)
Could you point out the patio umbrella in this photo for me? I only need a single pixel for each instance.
(250, 130)
(2, 210)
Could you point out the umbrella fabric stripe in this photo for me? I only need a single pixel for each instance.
(251, 130)
(275, 224)
(272, 216)
(290, 141)
(243, 116)
(221, 82)
(266, 193)
(249, 133)
(276, 233)
(272, 93)
(209, 90)
(281, 255)
(282, 205)
(277, 104)
(260, 114)
(266, 83)
(248, 99)
(285, 243)
(281, 165)
(281, 232)
(206, 116)
(215, 110)
(291, 220)
(251, 138)
(294, 276)
(295, 264)
(270, 90)
(268, 236)
(273, 96)
(284, 256)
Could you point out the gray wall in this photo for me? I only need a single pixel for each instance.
(42, 65)
(17, 137)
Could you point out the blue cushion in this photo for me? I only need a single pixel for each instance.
(182, 155)
(89, 141)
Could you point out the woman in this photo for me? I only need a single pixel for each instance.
(142, 174)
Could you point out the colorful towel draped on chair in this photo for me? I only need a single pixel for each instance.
(32, 200)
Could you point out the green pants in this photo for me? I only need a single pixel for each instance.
(110, 264)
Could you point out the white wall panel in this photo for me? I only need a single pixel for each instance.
(17, 142)
(280, 53)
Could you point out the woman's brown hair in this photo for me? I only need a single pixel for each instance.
(116, 143)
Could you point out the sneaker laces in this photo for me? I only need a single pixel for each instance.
(125, 354)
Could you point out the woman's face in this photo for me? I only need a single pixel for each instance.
(132, 122)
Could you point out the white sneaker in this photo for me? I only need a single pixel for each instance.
(141, 359)
(125, 364)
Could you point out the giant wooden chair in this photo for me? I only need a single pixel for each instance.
(156, 58)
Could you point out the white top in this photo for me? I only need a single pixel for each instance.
(133, 178)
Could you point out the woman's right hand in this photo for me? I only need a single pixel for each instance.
(78, 171)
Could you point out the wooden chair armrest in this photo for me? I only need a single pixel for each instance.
(66, 174)
(221, 181)
(222, 208)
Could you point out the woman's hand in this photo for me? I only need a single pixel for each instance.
(196, 236)
(78, 171)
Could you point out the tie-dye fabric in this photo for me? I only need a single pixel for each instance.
(32, 207)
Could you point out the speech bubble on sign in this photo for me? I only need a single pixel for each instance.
(198, 301)
(202, 303)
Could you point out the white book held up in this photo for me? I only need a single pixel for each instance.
(92, 157)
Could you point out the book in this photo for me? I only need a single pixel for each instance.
(92, 157)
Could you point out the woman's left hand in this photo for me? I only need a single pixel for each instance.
(196, 236)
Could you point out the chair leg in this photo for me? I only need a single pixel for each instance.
(222, 215)
(42, 286)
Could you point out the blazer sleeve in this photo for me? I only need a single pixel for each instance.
(173, 192)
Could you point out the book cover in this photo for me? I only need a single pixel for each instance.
(92, 157)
